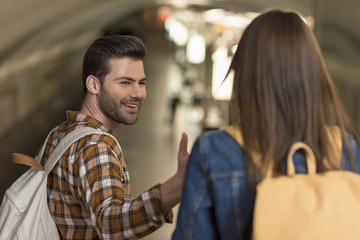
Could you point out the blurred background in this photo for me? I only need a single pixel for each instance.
(190, 44)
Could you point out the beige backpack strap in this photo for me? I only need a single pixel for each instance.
(235, 132)
(309, 157)
(334, 134)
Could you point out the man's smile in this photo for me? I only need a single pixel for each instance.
(132, 107)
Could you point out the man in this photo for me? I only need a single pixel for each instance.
(88, 189)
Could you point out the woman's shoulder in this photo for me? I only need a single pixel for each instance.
(355, 152)
(218, 137)
(219, 149)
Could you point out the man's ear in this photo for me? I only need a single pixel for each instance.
(93, 84)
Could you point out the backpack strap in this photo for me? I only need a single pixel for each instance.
(23, 159)
(67, 141)
(334, 134)
(63, 145)
(309, 158)
(26, 160)
(235, 132)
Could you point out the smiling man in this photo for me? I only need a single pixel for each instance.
(119, 96)
(88, 189)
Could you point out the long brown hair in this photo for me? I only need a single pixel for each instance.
(283, 92)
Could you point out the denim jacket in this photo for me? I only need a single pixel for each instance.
(217, 201)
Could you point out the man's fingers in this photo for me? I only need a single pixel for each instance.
(183, 145)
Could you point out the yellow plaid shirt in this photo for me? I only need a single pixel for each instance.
(89, 188)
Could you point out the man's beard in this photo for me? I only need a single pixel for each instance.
(113, 111)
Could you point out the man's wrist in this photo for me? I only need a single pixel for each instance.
(170, 193)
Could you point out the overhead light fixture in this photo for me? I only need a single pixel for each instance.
(221, 90)
(196, 48)
(178, 33)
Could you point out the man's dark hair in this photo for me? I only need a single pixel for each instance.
(97, 57)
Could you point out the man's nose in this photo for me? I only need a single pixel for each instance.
(138, 91)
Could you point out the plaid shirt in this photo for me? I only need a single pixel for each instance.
(89, 191)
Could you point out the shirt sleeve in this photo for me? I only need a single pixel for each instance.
(101, 189)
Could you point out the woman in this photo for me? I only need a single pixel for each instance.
(282, 94)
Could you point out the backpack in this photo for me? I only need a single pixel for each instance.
(24, 212)
(306, 206)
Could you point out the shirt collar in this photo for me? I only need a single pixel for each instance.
(74, 116)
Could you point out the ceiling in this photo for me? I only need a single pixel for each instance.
(28, 24)
(33, 31)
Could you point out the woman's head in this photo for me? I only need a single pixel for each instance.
(281, 86)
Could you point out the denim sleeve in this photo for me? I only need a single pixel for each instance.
(196, 217)
(355, 148)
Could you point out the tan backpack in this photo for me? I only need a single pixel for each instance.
(312, 206)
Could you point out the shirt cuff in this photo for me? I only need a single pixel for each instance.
(168, 217)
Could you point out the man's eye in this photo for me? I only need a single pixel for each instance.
(142, 83)
(125, 83)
